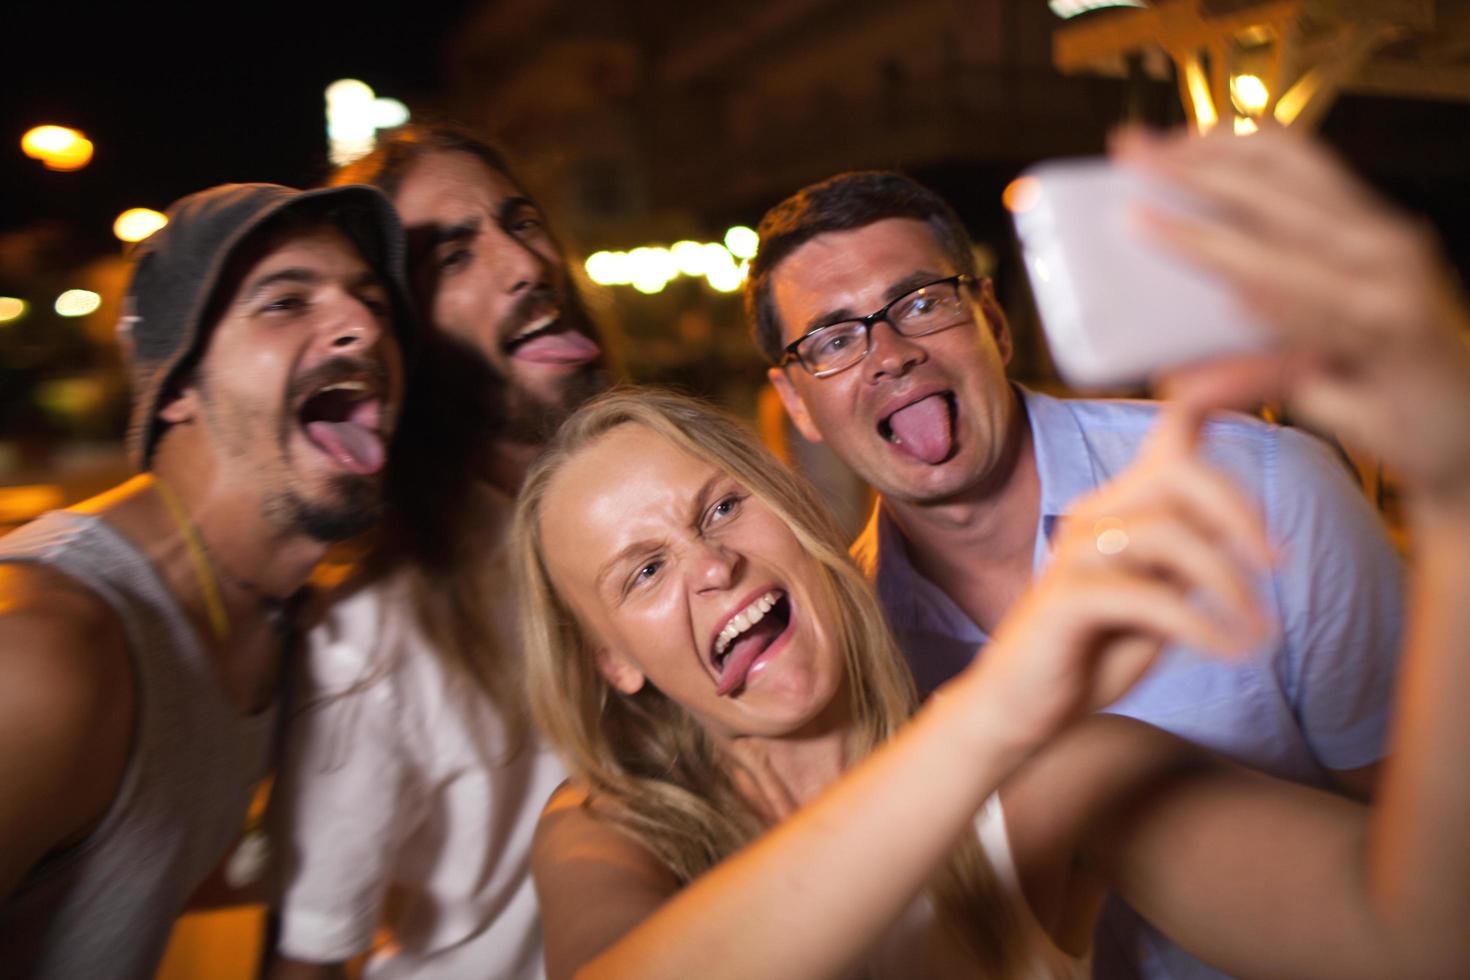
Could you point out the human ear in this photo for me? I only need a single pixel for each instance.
(795, 407)
(182, 407)
(619, 671)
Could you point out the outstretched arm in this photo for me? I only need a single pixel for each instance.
(842, 869)
(1263, 878)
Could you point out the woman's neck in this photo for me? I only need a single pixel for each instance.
(780, 775)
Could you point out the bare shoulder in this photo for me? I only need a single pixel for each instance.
(57, 638)
(595, 882)
(575, 830)
(66, 711)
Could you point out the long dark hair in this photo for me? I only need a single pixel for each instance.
(437, 528)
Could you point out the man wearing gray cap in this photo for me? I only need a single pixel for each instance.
(141, 631)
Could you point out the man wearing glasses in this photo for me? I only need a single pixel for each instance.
(888, 347)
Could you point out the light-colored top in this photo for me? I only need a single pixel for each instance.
(899, 955)
(397, 807)
(105, 906)
(1319, 699)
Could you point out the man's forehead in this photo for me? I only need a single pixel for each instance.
(853, 270)
(321, 248)
(321, 241)
(451, 186)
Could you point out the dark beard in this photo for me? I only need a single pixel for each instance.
(469, 404)
(531, 422)
(519, 418)
(357, 506)
(457, 406)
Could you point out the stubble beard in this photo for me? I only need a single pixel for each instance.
(355, 501)
(356, 506)
(352, 502)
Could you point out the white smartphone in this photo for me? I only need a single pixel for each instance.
(1117, 308)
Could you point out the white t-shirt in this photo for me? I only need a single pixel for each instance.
(393, 805)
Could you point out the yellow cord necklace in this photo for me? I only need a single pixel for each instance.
(214, 603)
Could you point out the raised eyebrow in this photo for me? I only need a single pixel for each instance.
(898, 288)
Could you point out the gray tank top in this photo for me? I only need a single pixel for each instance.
(104, 907)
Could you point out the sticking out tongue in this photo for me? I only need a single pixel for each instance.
(564, 347)
(355, 447)
(744, 651)
(924, 429)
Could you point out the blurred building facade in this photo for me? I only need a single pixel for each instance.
(644, 122)
(652, 122)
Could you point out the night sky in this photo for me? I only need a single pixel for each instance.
(178, 97)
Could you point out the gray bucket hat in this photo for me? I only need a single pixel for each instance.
(177, 272)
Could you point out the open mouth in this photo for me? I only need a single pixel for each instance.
(746, 635)
(343, 419)
(923, 429)
(546, 340)
(542, 325)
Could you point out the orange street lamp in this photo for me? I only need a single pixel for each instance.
(136, 224)
(58, 147)
(12, 308)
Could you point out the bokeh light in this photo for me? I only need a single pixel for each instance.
(742, 242)
(689, 257)
(355, 113)
(1249, 94)
(720, 271)
(136, 224)
(609, 268)
(1021, 194)
(650, 268)
(12, 308)
(77, 302)
(57, 147)
(388, 113)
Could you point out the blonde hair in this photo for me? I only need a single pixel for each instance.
(649, 766)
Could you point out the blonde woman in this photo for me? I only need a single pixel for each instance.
(750, 798)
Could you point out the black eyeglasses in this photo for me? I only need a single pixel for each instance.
(926, 309)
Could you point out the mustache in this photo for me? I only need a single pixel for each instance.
(338, 369)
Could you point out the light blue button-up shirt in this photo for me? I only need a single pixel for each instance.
(1317, 700)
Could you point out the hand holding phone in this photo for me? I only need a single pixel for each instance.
(1118, 307)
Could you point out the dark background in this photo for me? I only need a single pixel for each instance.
(635, 122)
